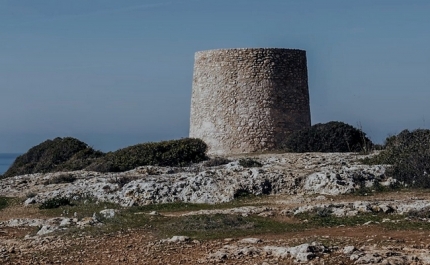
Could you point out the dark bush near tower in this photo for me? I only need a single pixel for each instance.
(328, 137)
(168, 153)
(69, 154)
(409, 154)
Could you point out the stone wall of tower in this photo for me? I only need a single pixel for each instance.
(248, 100)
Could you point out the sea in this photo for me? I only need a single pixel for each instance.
(6, 160)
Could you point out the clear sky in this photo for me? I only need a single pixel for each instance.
(116, 73)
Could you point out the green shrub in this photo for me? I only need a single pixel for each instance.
(80, 160)
(215, 222)
(3, 202)
(179, 153)
(69, 154)
(55, 203)
(216, 161)
(60, 154)
(249, 162)
(30, 194)
(242, 193)
(328, 137)
(409, 155)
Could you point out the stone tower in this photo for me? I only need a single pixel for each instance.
(248, 100)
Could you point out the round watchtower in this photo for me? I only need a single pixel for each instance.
(248, 100)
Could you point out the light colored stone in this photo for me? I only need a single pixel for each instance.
(218, 255)
(250, 240)
(66, 222)
(46, 229)
(108, 213)
(176, 239)
(278, 252)
(369, 259)
(348, 250)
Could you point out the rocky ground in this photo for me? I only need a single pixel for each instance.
(309, 208)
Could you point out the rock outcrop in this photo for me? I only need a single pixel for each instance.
(309, 173)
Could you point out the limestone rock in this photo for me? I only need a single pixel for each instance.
(108, 213)
(250, 240)
(176, 239)
(326, 173)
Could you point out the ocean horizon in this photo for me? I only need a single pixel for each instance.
(6, 160)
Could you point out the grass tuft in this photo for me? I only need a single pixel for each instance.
(249, 162)
(55, 203)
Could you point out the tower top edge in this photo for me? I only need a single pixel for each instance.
(250, 50)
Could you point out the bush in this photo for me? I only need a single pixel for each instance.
(248, 162)
(81, 160)
(216, 161)
(69, 154)
(55, 203)
(241, 193)
(328, 137)
(213, 222)
(30, 194)
(409, 155)
(179, 153)
(3, 203)
(55, 155)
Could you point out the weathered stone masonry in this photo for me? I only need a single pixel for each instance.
(248, 100)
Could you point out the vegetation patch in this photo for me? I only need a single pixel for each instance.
(214, 223)
(242, 193)
(249, 162)
(30, 194)
(202, 227)
(175, 153)
(409, 154)
(216, 161)
(69, 154)
(323, 217)
(55, 203)
(60, 154)
(84, 207)
(333, 136)
(4, 202)
(177, 207)
(215, 226)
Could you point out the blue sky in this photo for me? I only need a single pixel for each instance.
(116, 73)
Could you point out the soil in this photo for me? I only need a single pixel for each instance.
(142, 246)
